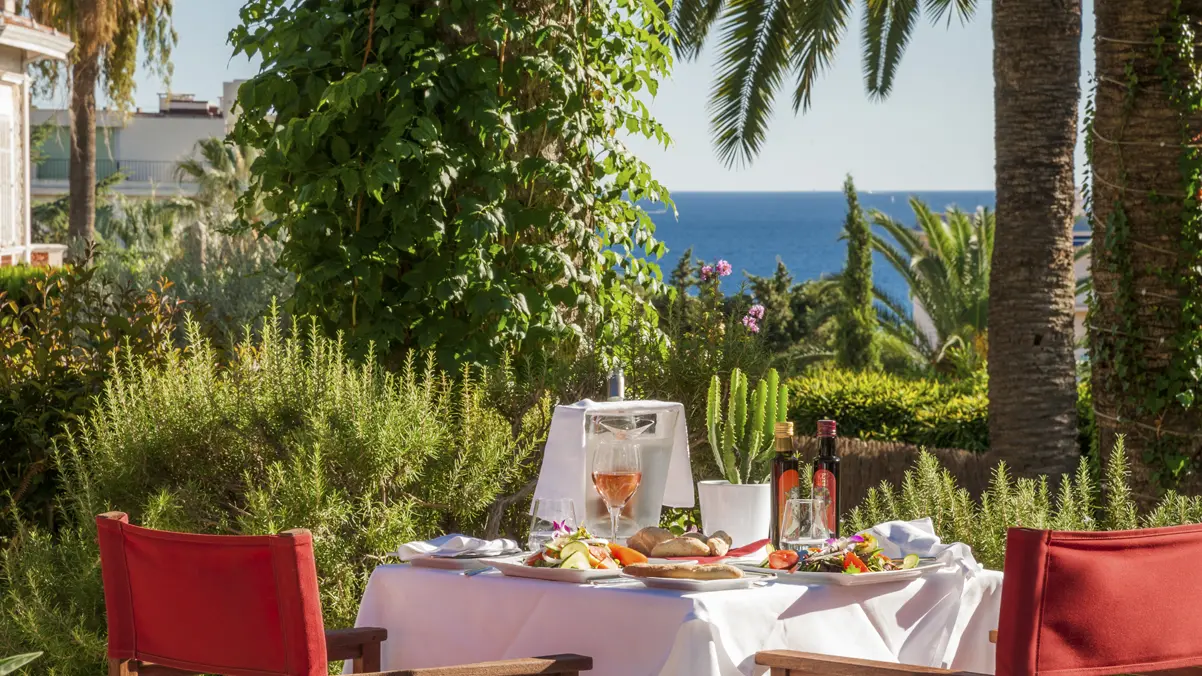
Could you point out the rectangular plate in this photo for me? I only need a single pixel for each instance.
(749, 579)
(449, 563)
(845, 580)
(515, 568)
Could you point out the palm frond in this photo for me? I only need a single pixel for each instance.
(964, 9)
(753, 55)
(818, 26)
(903, 14)
(691, 20)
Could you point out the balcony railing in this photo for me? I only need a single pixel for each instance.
(133, 170)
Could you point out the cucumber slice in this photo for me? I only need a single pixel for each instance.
(571, 548)
(577, 561)
(911, 561)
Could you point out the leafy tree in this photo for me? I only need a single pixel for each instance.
(685, 274)
(946, 264)
(449, 177)
(107, 36)
(798, 322)
(221, 171)
(763, 41)
(857, 346)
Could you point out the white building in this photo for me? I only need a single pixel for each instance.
(144, 146)
(22, 42)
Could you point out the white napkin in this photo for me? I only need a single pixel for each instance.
(563, 473)
(898, 538)
(456, 545)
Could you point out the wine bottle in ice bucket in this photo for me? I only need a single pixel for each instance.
(826, 476)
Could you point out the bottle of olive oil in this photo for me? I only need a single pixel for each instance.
(786, 478)
(826, 476)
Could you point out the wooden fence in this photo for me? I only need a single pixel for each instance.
(865, 464)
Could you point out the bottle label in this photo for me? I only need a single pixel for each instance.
(789, 487)
(825, 489)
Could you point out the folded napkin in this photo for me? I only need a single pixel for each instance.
(752, 553)
(456, 545)
(898, 538)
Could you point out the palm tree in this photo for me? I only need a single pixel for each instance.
(221, 171)
(1144, 318)
(1032, 368)
(945, 262)
(762, 41)
(1036, 65)
(107, 36)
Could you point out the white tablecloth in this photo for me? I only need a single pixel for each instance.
(438, 618)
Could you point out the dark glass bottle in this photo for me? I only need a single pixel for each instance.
(826, 475)
(786, 477)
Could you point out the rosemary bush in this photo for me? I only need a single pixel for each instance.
(290, 433)
(1083, 501)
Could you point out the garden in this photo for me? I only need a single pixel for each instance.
(426, 232)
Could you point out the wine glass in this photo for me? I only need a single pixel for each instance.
(616, 476)
(548, 515)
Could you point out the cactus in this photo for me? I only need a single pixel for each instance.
(742, 443)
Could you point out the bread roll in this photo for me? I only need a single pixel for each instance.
(682, 546)
(718, 546)
(696, 535)
(689, 571)
(646, 539)
(721, 535)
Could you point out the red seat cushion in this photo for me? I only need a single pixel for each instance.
(236, 605)
(1090, 604)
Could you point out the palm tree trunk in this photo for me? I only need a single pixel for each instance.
(1032, 378)
(82, 173)
(1141, 267)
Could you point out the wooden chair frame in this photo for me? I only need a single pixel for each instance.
(361, 645)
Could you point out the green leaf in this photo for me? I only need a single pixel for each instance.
(11, 664)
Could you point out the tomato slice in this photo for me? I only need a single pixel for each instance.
(782, 559)
(850, 560)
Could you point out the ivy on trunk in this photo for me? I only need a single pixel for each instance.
(448, 176)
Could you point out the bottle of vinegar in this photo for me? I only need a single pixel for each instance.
(826, 476)
(786, 479)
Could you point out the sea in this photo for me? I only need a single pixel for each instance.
(753, 230)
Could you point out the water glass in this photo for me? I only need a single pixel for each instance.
(545, 515)
(802, 525)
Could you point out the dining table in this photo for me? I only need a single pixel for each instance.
(445, 617)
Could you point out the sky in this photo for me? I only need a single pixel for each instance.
(934, 133)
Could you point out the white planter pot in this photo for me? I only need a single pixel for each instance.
(744, 511)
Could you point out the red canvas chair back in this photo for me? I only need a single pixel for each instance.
(216, 604)
(1091, 604)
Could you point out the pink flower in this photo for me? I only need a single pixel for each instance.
(707, 272)
(749, 322)
(756, 311)
(723, 268)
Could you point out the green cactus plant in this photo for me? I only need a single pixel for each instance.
(742, 442)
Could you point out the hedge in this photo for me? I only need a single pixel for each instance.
(870, 405)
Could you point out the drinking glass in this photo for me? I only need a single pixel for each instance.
(616, 476)
(545, 515)
(803, 524)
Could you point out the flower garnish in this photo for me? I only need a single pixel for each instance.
(559, 528)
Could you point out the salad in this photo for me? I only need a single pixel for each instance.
(580, 550)
(853, 555)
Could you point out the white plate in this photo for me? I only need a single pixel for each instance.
(450, 563)
(749, 579)
(845, 580)
(515, 568)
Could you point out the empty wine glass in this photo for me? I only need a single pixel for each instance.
(547, 516)
(802, 525)
(616, 476)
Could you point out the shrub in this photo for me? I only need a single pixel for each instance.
(17, 282)
(54, 353)
(891, 408)
(1081, 502)
(289, 434)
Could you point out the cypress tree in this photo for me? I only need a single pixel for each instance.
(856, 345)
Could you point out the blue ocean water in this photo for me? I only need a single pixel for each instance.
(753, 229)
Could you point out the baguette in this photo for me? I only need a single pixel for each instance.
(687, 571)
(682, 546)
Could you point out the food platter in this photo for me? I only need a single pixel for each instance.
(843, 579)
(516, 568)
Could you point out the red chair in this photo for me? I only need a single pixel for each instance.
(1076, 604)
(240, 606)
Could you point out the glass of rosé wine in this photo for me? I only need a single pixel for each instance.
(616, 476)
